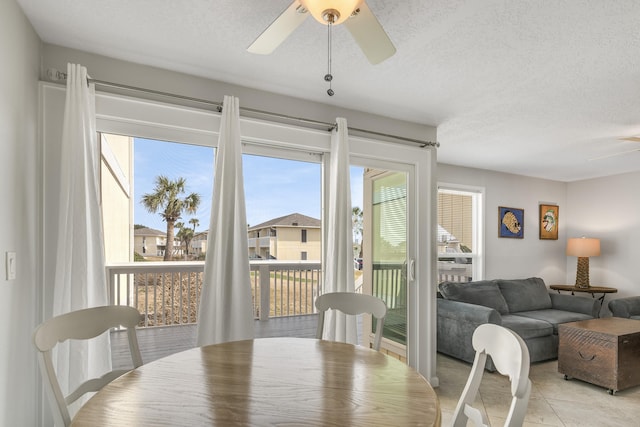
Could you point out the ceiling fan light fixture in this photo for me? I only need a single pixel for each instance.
(330, 11)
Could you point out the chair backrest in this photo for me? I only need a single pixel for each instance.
(352, 303)
(81, 325)
(511, 358)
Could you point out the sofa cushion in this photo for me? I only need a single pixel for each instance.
(525, 294)
(554, 316)
(482, 292)
(527, 328)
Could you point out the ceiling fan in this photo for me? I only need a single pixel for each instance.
(355, 14)
(620, 153)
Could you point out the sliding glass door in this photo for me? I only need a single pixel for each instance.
(385, 248)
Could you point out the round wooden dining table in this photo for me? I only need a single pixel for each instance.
(267, 382)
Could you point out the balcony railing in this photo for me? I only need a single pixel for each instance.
(452, 271)
(259, 242)
(168, 293)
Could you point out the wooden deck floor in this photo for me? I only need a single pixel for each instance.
(161, 341)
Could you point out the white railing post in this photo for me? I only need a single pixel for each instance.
(265, 291)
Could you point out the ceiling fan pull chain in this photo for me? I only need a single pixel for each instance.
(328, 77)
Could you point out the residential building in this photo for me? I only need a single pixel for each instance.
(150, 242)
(117, 189)
(290, 237)
(198, 245)
(287, 238)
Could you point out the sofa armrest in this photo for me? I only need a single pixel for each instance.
(625, 307)
(456, 322)
(465, 312)
(589, 306)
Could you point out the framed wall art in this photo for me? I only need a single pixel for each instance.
(510, 222)
(549, 222)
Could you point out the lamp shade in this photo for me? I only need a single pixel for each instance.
(340, 9)
(583, 247)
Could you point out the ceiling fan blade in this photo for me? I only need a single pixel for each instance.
(631, 138)
(620, 153)
(370, 36)
(279, 30)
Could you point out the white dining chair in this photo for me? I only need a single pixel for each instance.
(511, 358)
(352, 303)
(81, 325)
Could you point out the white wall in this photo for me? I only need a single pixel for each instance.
(19, 216)
(507, 258)
(609, 209)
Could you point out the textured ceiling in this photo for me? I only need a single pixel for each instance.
(533, 87)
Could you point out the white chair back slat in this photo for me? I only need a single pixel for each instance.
(353, 304)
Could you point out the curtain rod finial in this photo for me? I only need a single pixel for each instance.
(55, 75)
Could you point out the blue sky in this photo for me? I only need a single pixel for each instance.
(273, 187)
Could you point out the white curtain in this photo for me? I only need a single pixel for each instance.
(225, 312)
(338, 260)
(80, 278)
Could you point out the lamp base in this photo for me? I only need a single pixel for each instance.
(582, 274)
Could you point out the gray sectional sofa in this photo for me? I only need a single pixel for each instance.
(628, 307)
(523, 305)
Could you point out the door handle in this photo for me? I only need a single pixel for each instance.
(411, 270)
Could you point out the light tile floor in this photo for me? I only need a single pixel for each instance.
(553, 402)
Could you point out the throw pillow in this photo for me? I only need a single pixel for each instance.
(525, 294)
(482, 292)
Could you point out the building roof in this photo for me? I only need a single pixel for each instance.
(146, 231)
(201, 235)
(291, 220)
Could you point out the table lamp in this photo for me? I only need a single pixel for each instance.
(583, 248)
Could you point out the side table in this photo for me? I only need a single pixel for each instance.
(591, 290)
(604, 352)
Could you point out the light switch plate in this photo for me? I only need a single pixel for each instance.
(11, 265)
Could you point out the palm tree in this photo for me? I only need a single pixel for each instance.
(185, 234)
(356, 221)
(166, 199)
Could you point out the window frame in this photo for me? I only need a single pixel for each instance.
(478, 226)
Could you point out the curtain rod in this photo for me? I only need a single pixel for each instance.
(56, 75)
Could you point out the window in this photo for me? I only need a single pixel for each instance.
(459, 237)
(283, 193)
(282, 189)
(303, 256)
